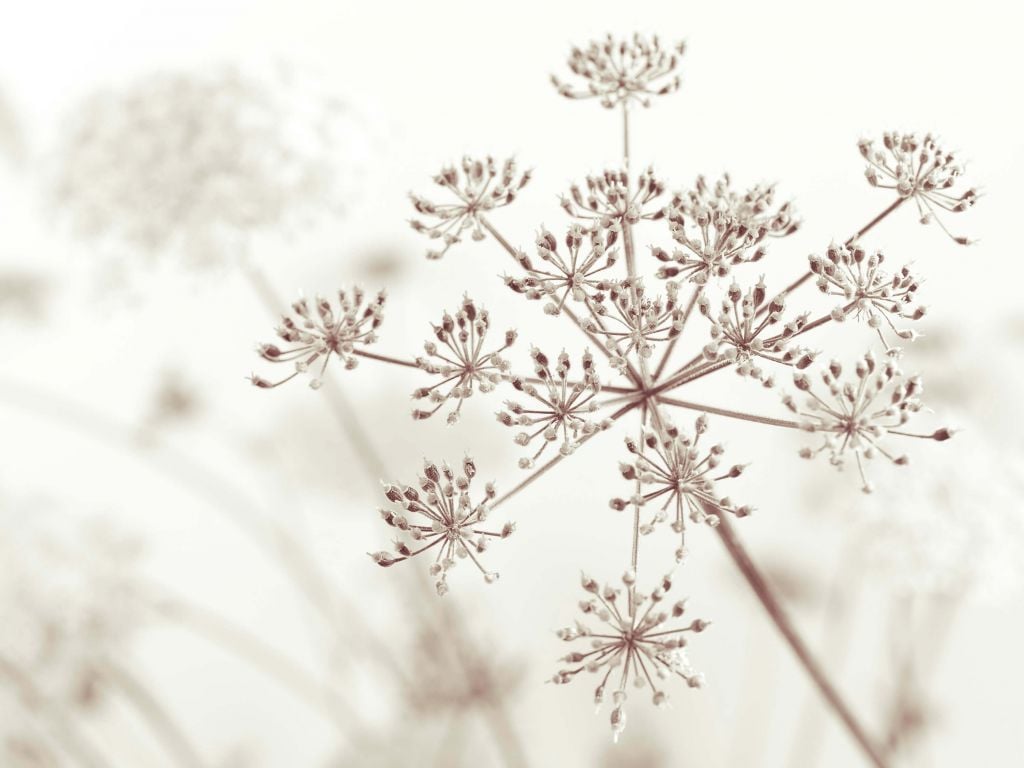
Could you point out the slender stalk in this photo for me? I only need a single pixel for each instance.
(841, 599)
(697, 290)
(542, 470)
(160, 721)
(385, 358)
(625, 138)
(65, 732)
(262, 657)
(729, 414)
(782, 622)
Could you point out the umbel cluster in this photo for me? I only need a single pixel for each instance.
(631, 307)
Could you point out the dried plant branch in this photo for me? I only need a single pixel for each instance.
(782, 622)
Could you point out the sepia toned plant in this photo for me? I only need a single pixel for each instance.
(441, 515)
(623, 71)
(468, 368)
(631, 643)
(476, 187)
(858, 414)
(322, 332)
(917, 167)
(630, 337)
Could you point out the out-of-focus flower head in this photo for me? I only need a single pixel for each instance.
(69, 604)
(623, 71)
(198, 162)
(952, 529)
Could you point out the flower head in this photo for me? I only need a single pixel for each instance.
(746, 328)
(866, 289)
(609, 199)
(476, 187)
(671, 473)
(630, 640)
(562, 409)
(576, 274)
(919, 168)
(753, 209)
(461, 360)
(322, 332)
(856, 415)
(441, 516)
(622, 71)
(632, 321)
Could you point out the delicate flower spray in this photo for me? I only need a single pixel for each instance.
(703, 243)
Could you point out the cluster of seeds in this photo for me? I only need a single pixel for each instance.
(461, 361)
(630, 641)
(441, 516)
(477, 187)
(321, 332)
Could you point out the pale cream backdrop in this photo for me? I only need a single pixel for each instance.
(774, 91)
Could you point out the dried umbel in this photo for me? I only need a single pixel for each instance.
(574, 273)
(747, 328)
(610, 199)
(631, 643)
(476, 188)
(918, 168)
(631, 321)
(857, 414)
(593, 279)
(714, 238)
(622, 71)
(461, 361)
(671, 474)
(321, 332)
(561, 411)
(868, 291)
(440, 516)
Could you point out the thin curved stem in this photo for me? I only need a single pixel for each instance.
(160, 721)
(261, 656)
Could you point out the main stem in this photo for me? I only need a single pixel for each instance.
(782, 622)
(735, 548)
